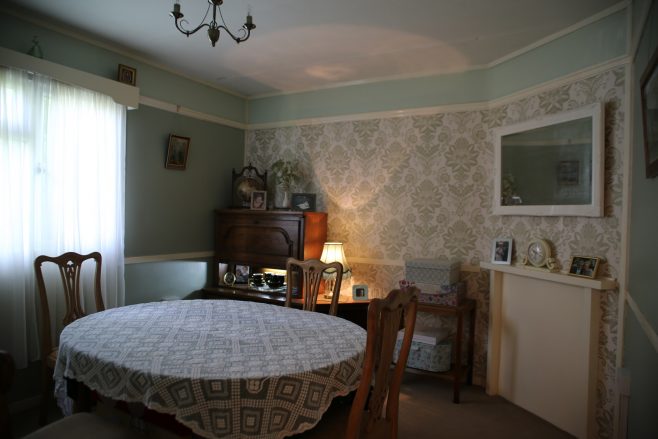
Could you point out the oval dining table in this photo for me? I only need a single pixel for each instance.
(222, 368)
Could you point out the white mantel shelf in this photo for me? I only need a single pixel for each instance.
(601, 284)
(543, 343)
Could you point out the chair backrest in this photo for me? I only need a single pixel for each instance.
(70, 267)
(380, 383)
(6, 378)
(312, 271)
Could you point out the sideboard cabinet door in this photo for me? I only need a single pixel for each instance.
(267, 238)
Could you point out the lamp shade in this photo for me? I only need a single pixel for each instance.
(334, 252)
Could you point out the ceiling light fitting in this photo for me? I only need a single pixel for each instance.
(213, 27)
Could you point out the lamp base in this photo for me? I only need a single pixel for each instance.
(329, 287)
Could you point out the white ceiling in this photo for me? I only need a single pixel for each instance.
(309, 44)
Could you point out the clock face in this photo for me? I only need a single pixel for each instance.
(229, 278)
(538, 253)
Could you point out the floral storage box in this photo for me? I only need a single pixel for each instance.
(429, 351)
(446, 295)
(432, 271)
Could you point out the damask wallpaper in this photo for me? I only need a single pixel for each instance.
(422, 186)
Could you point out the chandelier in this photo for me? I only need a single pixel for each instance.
(213, 28)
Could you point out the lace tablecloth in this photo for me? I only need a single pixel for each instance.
(223, 368)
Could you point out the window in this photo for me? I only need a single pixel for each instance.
(62, 162)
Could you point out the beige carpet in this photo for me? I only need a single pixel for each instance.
(426, 412)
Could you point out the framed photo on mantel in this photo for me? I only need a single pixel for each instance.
(501, 251)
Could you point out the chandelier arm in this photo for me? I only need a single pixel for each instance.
(176, 14)
(244, 29)
(189, 32)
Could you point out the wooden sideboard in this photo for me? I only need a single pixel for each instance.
(265, 240)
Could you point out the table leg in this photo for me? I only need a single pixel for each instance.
(471, 346)
(457, 376)
(80, 394)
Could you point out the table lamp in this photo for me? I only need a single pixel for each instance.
(333, 252)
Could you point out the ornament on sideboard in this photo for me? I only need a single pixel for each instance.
(285, 174)
(245, 182)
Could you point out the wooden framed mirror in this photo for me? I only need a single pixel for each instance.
(552, 165)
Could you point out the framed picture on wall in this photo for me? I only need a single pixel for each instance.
(501, 251)
(649, 92)
(177, 152)
(127, 75)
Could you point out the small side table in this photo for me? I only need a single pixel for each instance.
(457, 370)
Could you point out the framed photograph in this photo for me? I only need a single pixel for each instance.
(258, 200)
(501, 251)
(649, 92)
(304, 202)
(360, 292)
(242, 274)
(127, 75)
(177, 152)
(584, 266)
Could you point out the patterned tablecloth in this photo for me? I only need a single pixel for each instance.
(223, 368)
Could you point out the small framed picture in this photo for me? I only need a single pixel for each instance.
(501, 252)
(258, 200)
(649, 96)
(304, 202)
(127, 75)
(177, 152)
(360, 292)
(584, 266)
(242, 274)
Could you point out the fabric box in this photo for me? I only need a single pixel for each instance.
(447, 295)
(429, 351)
(432, 271)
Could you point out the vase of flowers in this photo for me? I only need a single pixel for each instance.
(286, 175)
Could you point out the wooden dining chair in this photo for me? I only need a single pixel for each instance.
(70, 268)
(79, 425)
(312, 271)
(374, 409)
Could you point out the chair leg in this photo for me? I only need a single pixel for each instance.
(46, 395)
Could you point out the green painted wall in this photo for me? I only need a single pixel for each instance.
(16, 34)
(151, 282)
(640, 357)
(377, 96)
(170, 211)
(597, 43)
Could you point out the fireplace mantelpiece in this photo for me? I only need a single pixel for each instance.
(543, 343)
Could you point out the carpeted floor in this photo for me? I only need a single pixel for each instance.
(426, 412)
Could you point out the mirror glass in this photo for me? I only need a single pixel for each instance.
(551, 166)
